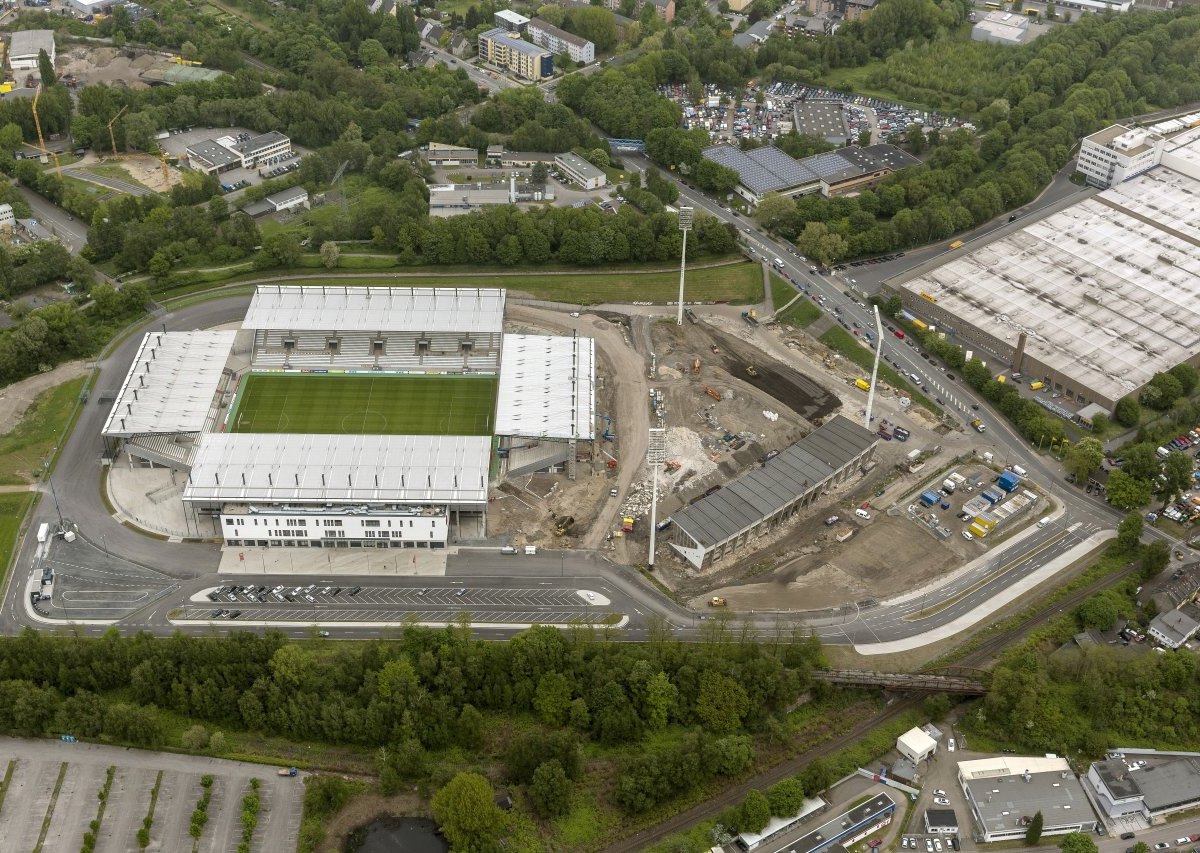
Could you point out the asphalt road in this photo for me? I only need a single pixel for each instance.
(53, 217)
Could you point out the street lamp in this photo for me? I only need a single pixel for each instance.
(685, 225)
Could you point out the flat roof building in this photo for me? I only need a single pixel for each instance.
(941, 822)
(823, 119)
(502, 48)
(288, 199)
(1169, 783)
(777, 827)
(1001, 28)
(509, 20)
(559, 41)
(581, 171)
(441, 154)
(25, 45)
(840, 832)
(1092, 300)
(765, 497)
(916, 745)
(1005, 792)
(1118, 153)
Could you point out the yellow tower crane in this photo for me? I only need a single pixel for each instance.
(162, 159)
(37, 123)
(111, 137)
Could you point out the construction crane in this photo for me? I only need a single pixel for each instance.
(111, 137)
(162, 159)
(37, 123)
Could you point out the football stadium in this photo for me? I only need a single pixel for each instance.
(353, 416)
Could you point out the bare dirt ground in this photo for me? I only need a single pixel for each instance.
(15, 399)
(109, 65)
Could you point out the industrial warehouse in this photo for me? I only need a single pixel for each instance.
(1092, 300)
(731, 518)
(353, 416)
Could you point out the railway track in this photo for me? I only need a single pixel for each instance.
(977, 657)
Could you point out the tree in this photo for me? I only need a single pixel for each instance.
(1077, 842)
(1125, 492)
(775, 211)
(468, 816)
(217, 743)
(1084, 457)
(195, 738)
(786, 797)
(540, 173)
(1141, 462)
(820, 244)
(1128, 412)
(278, 250)
(722, 703)
(469, 731)
(160, 266)
(755, 812)
(1155, 557)
(372, 52)
(1178, 470)
(1033, 832)
(1186, 376)
(599, 158)
(1129, 531)
(864, 137)
(550, 790)
(330, 252)
(46, 69)
(1098, 612)
(187, 50)
(552, 699)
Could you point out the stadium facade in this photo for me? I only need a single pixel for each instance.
(343, 478)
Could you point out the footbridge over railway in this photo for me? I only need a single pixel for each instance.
(963, 681)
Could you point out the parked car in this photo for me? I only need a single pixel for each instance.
(941, 801)
(951, 745)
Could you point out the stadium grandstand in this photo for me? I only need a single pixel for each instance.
(173, 392)
(353, 416)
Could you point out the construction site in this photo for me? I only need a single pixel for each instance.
(729, 395)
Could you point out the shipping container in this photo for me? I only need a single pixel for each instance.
(1009, 481)
(930, 497)
(993, 495)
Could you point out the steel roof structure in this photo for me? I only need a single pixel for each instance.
(340, 469)
(547, 387)
(376, 309)
(170, 385)
(762, 170)
(764, 490)
(1107, 290)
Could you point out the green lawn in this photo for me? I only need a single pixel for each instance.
(12, 513)
(26, 446)
(851, 347)
(366, 405)
(801, 313)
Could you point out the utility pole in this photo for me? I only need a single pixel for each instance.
(62, 525)
(874, 368)
(685, 225)
(655, 453)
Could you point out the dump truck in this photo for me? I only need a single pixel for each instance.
(716, 601)
(627, 524)
(978, 425)
(286, 771)
(695, 366)
(862, 384)
(750, 317)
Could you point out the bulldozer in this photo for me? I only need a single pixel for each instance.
(752, 371)
(716, 601)
(712, 392)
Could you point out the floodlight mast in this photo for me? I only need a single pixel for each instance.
(685, 225)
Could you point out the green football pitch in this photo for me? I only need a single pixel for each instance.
(365, 405)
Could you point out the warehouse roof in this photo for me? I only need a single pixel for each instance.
(263, 140)
(579, 166)
(512, 17)
(213, 153)
(361, 469)
(762, 170)
(1027, 786)
(1169, 784)
(547, 387)
(821, 119)
(170, 386)
(1106, 289)
(764, 490)
(27, 43)
(376, 309)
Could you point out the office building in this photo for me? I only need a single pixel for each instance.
(580, 171)
(559, 41)
(501, 48)
(1004, 793)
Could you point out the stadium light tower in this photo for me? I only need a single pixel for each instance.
(685, 225)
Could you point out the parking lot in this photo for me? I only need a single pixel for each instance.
(31, 807)
(388, 604)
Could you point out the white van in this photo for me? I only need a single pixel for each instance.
(530, 550)
(915, 377)
(1042, 522)
(862, 513)
(1019, 471)
(778, 264)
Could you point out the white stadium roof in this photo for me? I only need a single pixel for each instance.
(359, 469)
(170, 386)
(375, 309)
(547, 387)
